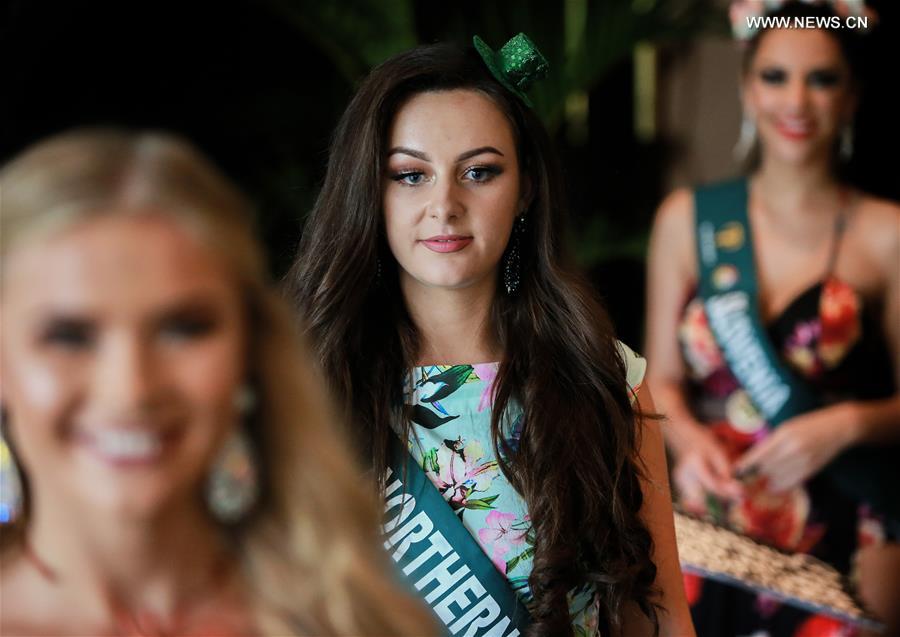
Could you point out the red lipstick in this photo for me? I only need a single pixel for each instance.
(794, 130)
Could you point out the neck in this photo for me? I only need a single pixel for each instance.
(796, 187)
(454, 325)
(106, 562)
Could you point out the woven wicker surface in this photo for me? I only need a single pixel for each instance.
(796, 579)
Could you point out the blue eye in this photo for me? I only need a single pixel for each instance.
(482, 174)
(410, 178)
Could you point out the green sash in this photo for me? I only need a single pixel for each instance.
(441, 560)
(728, 288)
(727, 284)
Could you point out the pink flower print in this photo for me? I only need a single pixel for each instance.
(805, 333)
(800, 349)
(500, 537)
(700, 348)
(488, 373)
(461, 473)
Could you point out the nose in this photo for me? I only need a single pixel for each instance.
(125, 377)
(797, 95)
(446, 202)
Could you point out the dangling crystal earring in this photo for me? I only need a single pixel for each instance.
(846, 148)
(10, 485)
(746, 140)
(512, 260)
(233, 485)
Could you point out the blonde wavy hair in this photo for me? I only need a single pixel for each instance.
(309, 551)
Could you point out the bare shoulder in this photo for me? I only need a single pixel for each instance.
(878, 213)
(676, 212)
(877, 224)
(18, 608)
(672, 241)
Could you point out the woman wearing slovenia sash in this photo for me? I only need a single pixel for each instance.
(533, 498)
(774, 329)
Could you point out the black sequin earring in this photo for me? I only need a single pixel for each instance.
(512, 260)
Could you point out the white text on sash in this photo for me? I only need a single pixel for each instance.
(437, 563)
(728, 317)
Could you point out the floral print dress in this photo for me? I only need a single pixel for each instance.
(450, 408)
(827, 337)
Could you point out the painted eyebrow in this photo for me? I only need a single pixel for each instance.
(825, 69)
(200, 304)
(403, 150)
(478, 151)
(836, 68)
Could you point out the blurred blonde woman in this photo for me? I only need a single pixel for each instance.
(177, 470)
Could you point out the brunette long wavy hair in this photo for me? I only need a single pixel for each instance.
(577, 463)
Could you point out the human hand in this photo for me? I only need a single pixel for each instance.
(798, 448)
(702, 468)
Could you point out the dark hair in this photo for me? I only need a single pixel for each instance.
(561, 358)
(849, 40)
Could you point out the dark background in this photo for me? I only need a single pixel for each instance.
(259, 85)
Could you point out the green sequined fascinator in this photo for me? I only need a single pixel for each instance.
(516, 66)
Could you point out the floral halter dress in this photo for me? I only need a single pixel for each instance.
(451, 440)
(836, 344)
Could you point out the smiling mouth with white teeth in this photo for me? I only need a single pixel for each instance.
(795, 128)
(125, 446)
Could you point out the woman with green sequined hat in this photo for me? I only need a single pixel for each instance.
(483, 380)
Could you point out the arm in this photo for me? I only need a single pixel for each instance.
(875, 421)
(670, 273)
(879, 420)
(701, 464)
(675, 620)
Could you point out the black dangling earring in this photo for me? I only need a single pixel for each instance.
(377, 271)
(512, 261)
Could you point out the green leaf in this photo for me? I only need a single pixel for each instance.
(482, 503)
(524, 555)
(454, 379)
(514, 562)
(429, 461)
